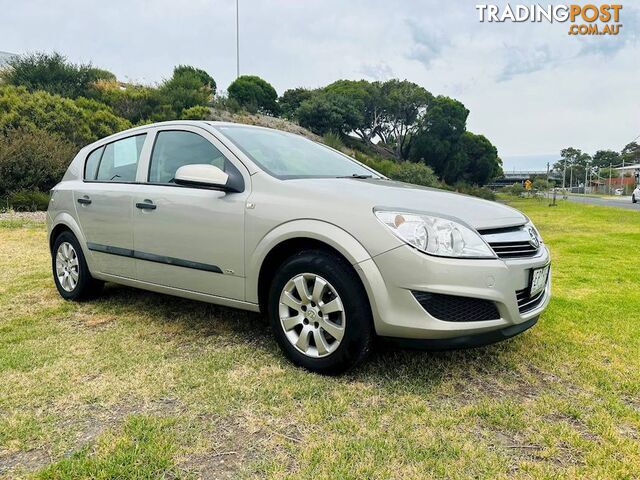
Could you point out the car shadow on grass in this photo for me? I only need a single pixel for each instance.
(388, 366)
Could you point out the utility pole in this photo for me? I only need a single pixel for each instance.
(564, 174)
(549, 189)
(610, 169)
(570, 177)
(237, 38)
(584, 190)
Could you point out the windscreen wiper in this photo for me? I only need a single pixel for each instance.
(356, 175)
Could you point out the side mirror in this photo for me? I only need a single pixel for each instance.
(202, 175)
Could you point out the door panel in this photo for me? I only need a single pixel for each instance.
(190, 238)
(193, 239)
(104, 204)
(107, 222)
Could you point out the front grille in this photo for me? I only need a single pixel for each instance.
(511, 242)
(452, 308)
(526, 303)
(513, 249)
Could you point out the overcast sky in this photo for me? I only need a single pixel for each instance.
(531, 88)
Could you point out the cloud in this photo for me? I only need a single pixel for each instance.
(606, 45)
(428, 42)
(529, 87)
(522, 61)
(379, 71)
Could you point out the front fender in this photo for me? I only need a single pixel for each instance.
(318, 230)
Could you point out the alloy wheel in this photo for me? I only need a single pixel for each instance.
(67, 266)
(312, 315)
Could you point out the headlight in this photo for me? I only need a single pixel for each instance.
(436, 235)
(533, 232)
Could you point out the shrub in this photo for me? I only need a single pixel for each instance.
(516, 189)
(32, 160)
(482, 192)
(79, 121)
(136, 103)
(28, 201)
(198, 112)
(188, 87)
(415, 173)
(53, 73)
(333, 140)
(254, 94)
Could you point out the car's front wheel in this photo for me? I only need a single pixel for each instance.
(633, 198)
(70, 271)
(319, 312)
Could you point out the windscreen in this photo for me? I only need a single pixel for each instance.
(285, 155)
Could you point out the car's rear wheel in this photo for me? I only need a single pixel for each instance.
(70, 271)
(633, 198)
(319, 312)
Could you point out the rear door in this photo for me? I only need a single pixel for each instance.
(188, 237)
(104, 204)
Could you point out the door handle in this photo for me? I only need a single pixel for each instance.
(84, 200)
(146, 205)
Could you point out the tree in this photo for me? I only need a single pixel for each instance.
(573, 163)
(477, 162)
(405, 104)
(254, 94)
(328, 112)
(604, 158)
(368, 99)
(291, 100)
(631, 153)
(188, 87)
(436, 142)
(53, 73)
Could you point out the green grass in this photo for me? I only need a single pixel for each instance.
(139, 385)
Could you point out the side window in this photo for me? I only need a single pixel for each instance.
(175, 148)
(91, 166)
(119, 161)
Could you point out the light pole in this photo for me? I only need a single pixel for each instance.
(237, 39)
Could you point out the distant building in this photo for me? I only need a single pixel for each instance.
(5, 57)
(628, 169)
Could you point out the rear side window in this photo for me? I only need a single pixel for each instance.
(175, 148)
(91, 167)
(119, 161)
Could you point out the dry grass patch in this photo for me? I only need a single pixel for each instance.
(140, 385)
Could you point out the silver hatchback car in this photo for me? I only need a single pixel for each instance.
(330, 250)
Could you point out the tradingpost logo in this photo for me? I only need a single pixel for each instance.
(589, 19)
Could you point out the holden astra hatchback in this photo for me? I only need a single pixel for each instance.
(331, 251)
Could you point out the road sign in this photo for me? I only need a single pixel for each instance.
(527, 185)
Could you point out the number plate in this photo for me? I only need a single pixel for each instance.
(539, 280)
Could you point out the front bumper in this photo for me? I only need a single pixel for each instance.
(390, 277)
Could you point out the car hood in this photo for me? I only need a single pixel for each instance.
(388, 194)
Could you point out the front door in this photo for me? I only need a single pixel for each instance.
(186, 237)
(105, 208)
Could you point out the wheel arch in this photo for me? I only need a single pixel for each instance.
(65, 222)
(293, 237)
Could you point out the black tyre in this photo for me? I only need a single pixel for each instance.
(319, 312)
(70, 272)
(633, 198)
